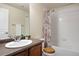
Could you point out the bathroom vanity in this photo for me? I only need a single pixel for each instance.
(33, 49)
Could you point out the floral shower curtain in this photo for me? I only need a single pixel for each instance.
(47, 28)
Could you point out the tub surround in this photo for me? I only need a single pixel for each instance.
(35, 48)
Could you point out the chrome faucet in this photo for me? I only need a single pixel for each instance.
(18, 38)
(15, 38)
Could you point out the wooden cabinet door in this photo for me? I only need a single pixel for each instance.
(26, 53)
(35, 50)
(23, 53)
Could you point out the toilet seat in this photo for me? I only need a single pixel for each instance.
(48, 51)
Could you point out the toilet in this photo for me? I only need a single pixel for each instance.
(48, 51)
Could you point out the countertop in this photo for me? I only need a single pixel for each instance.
(8, 51)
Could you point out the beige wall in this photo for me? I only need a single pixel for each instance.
(36, 19)
(16, 16)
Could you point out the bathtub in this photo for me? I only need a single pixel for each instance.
(62, 52)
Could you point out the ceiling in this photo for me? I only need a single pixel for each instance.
(25, 6)
(54, 5)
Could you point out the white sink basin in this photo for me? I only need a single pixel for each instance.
(20, 43)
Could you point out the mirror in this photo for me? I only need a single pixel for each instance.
(20, 25)
(18, 18)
